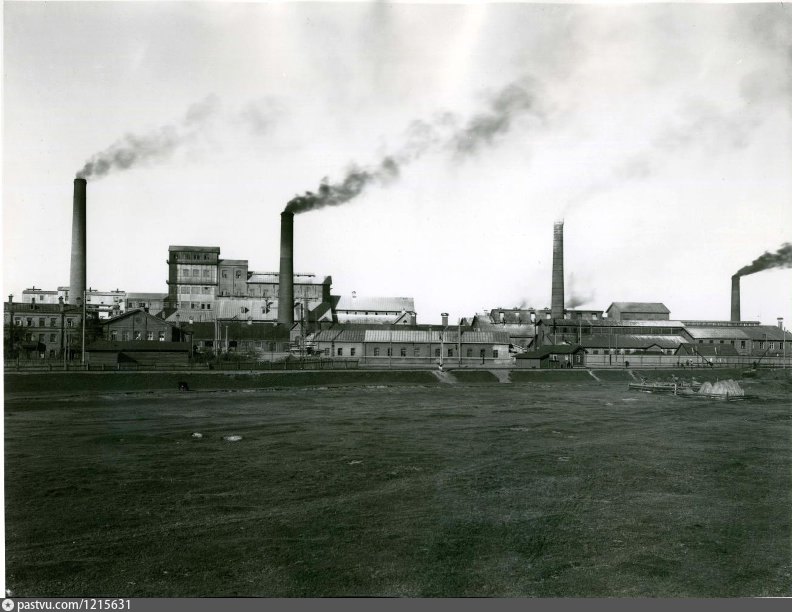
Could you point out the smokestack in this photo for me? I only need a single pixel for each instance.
(735, 298)
(286, 278)
(557, 298)
(77, 275)
(444, 319)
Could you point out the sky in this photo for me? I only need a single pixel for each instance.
(449, 139)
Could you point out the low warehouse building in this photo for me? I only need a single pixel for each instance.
(415, 346)
(554, 356)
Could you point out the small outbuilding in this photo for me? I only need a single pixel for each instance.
(553, 356)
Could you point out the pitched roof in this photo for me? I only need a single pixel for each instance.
(646, 307)
(631, 341)
(146, 296)
(273, 278)
(387, 304)
(136, 311)
(434, 336)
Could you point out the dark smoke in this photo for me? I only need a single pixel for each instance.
(353, 184)
(133, 150)
(512, 101)
(782, 258)
(443, 131)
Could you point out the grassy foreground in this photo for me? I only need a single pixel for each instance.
(562, 489)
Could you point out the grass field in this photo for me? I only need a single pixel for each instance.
(540, 489)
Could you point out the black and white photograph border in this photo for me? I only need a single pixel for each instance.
(430, 300)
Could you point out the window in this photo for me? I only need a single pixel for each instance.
(469, 352)
(114, 335)
(17, 321)
(150, 335)
(450, 352)
(238, 274)
(761, 344)
(137, 335)
(352, 352)
(208, 307)
(196, 272)
(595, 351)
(390, 352)
(202, 306)
(70, 323)
(225, 273)
(162, 336)
(403, 351)
(53, 322)
(272, 346)
(243, 310)
(416, 351)
(742, 343)
(495, 353)
(437, 352)
(340, 352)
(125, 336)
(192, 305)
(207, 274)
(30, 321)
(41, 337)
(376, 351)
(41, 322)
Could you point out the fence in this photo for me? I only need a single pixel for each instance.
(291, 364)
(637, 360)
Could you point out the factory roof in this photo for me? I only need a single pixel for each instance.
(715, 333)
(637, 341)
(199, 249)
(708, 350)
(575, 323)
(26, 308)
(386, 304)
(451, 337)
(767, 332)
(273, 278)
(340, 335)
(39, 291)
(135, 311)
(233, 262)
(146, 296)
(646, 307)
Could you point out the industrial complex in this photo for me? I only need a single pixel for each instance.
(220, 309)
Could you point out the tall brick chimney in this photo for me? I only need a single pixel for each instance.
(735, 298)
(557, 298)
(77, 273)
(286, 277)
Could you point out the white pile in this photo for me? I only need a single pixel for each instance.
(232, 438)
(728, 388)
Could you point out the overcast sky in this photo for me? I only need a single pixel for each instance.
(661, 133)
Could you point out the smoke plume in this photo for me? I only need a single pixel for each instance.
(135, 149)
(444, 131)
(353, 184)
(782, 258)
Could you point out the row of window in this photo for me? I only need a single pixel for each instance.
(137, 335)
(189, 256)
(416, 352)
(53, 322)
(629, 351)
(760, 343)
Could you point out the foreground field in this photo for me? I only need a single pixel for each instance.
(561, 489)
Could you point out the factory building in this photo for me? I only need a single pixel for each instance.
(153, 303)
(554, 356)
(748, 338)
(39, 296)
(263, 342)
(637, 311)
(382, 310)
(139, 325)
(41, 331)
